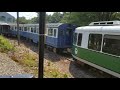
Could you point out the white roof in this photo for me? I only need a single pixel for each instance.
(2, 23)
(98, 29)
(54, 24)
(116, 22)
(48, 24)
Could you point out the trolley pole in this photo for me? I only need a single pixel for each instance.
(18, 33)
(41, 43)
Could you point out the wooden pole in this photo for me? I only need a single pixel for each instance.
(41, 43)
(18, 33)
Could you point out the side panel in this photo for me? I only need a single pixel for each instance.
(66, 35)
(103, 60)
(61, 38)
(34, 37)
(51, 41)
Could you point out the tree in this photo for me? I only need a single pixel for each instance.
(22, 20)
(78, 18)
(104, 16)
(33, 20)
(84, 18)
(55, 18)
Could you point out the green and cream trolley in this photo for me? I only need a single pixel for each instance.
(98, 45)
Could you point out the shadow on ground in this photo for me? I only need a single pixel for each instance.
(85, 71)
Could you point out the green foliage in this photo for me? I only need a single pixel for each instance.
(5, 45)
(34, 20)
(23, 20)
(65, 76)
(54, 74)
(25, 58)
(55, 18)
(78, 18)
(29, 60)
(84, 18)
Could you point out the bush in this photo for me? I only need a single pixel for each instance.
(5, 45)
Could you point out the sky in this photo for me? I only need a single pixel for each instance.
(28, 15)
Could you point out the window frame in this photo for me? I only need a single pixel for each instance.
(53, 32)
(78, 40)
(108, 52)
(25, 29)
(100, 44)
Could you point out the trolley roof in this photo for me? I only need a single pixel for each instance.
(105, 23)
(115, 27)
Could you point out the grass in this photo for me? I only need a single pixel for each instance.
(27, 59)
(5, 45)
(54, 73)
(50, 71)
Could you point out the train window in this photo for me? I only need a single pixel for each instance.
(54, 32)
(68, 32)
(20, 28)
(111, 44)
(25, 28)
(31, 29)
(79, 39)
(50, 32)
(15, 28)
(95, 41)
(11, 28)
(35, 30)
(28, 29)
(75, 38)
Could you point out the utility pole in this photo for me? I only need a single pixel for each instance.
(41, 43)
(18, 33)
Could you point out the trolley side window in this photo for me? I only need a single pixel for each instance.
(95, 41)
(111, 44)
(79, 39)
(74, 38)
